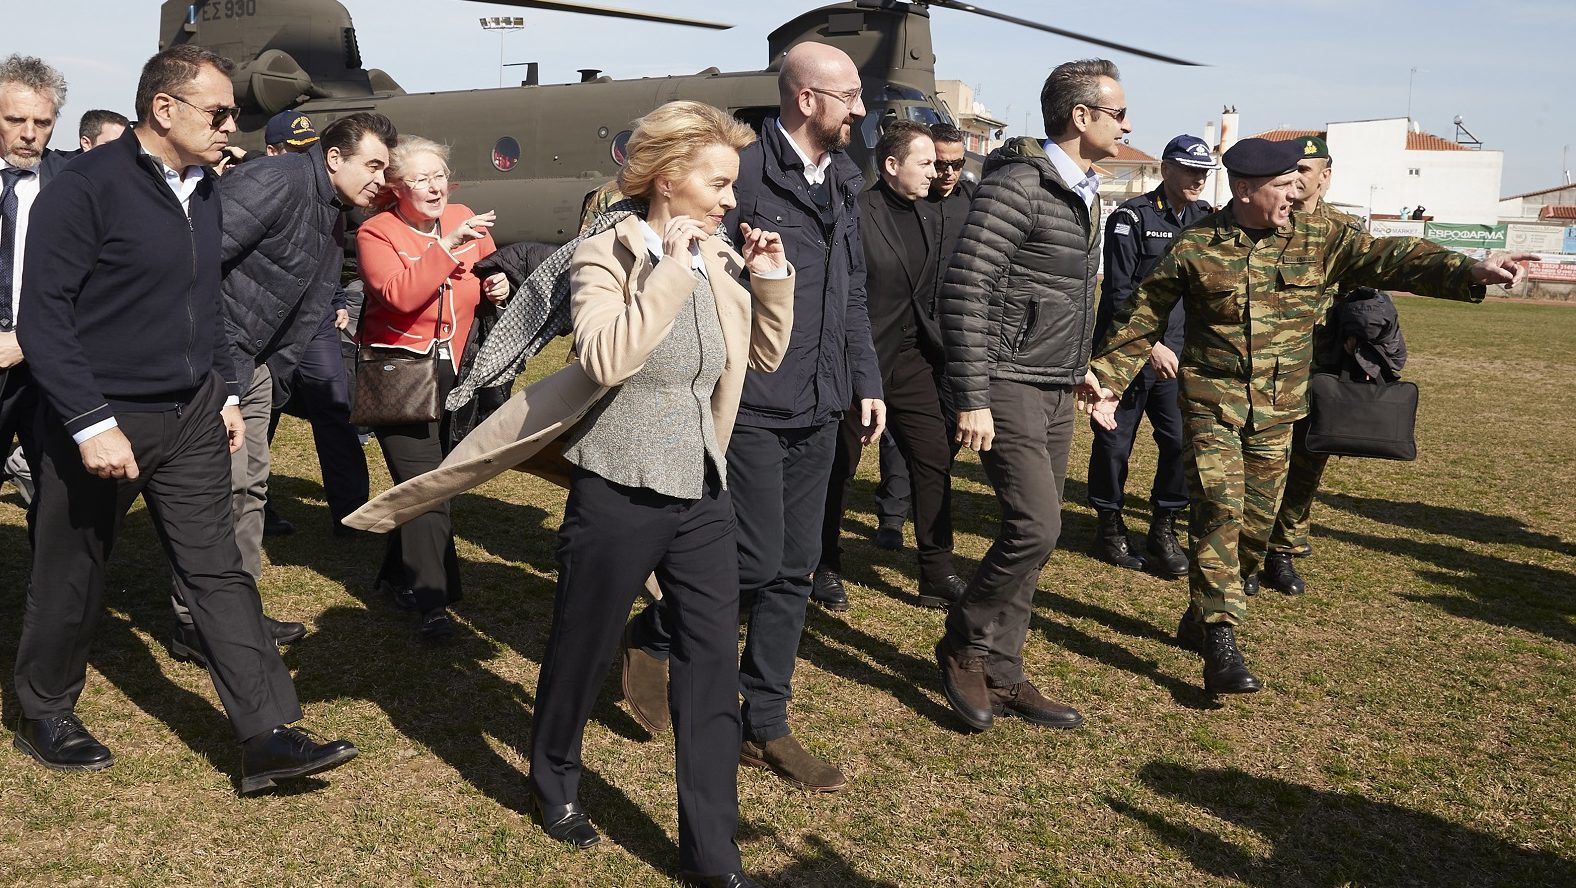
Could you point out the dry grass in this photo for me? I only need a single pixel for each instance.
(1416, 728)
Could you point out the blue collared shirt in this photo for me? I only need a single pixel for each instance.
(1085, 185)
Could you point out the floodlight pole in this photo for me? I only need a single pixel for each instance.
(503, 24)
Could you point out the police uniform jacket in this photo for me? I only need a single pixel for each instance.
(1137, 234)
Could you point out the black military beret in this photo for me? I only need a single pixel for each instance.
(1257, 158)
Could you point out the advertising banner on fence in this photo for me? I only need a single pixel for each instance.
(1395, 228)
(1535, 238)
(1552, 271)
(1459, 237)
(1570, 239)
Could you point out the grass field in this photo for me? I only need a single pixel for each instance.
(1418, 725)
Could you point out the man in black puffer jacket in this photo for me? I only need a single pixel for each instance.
(283, 243)
(1017, 316)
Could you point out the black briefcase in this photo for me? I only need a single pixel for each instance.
(1349, 417)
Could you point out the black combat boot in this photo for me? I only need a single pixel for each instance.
(1250, 585)
(1225, 672)
(1166, 557)
(1111, 543)
(1190, 632)
(1280, 574)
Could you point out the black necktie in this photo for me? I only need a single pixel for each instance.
(8, 244)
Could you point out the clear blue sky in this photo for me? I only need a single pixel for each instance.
(1502, 66)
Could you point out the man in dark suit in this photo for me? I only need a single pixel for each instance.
(31, 93)
(949, 196)
(901, 234)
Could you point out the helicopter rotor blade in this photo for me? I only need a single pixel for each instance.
(1075, 35)
(608, 12)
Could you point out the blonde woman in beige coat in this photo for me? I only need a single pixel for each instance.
(664, 332)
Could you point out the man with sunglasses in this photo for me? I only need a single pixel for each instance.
(1138, 233)
(1017, 316)
(127, 341)
(283, 251)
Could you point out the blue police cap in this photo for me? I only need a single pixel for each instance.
(1257, 158)
(1189, 151)
(291, 127)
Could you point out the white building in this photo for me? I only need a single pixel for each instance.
(1382, 166)
(981, 129)
(1557, 204)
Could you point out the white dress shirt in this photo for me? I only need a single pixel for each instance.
(1085, 185)
(26, 192)
(814, 173)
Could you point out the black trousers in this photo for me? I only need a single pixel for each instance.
(419, 555)
(894, 493)
(777, 479)
(612, 538)
(18, 404)
(183, 465)
(319, 392)
(1156, 398)
(915, 418)
(1027, 465)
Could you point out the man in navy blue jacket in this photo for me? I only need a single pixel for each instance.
(127, 342)
(796, 180)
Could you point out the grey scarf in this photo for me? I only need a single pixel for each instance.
(538, 313)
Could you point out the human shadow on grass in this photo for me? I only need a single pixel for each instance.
(1187, 695)
(822, 866)
(830, 643)
(1466, 524)
(1320, 838)
(445, 699)
(1486, 588)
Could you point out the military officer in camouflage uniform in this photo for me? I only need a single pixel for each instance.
(1254, 279)
(1289, 536)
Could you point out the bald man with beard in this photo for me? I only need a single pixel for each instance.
(796, 180)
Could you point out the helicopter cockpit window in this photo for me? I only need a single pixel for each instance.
(924, 114)
(893, 92)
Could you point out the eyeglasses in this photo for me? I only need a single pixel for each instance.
(217, 116)
(944, 165)
(436, 180)
(1117, 114)
(847, 98)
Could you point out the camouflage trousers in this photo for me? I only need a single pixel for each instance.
(1235, 476)
(1290, 535)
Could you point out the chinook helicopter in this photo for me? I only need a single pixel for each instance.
(539, 149)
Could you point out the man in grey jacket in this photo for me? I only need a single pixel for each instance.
(283, 243)
(1017, 315)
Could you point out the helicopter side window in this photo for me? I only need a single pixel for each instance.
(893, 92)
(922, 114)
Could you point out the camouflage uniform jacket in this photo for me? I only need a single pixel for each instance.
(1251, 308)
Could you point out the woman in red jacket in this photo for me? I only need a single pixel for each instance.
(421, 294)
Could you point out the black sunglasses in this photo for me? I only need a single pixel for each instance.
(950, 164)
(1117, 114)
(217, 116)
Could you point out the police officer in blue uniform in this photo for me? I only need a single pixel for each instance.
(1137, 234)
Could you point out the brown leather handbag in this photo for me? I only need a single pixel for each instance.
(396, 386)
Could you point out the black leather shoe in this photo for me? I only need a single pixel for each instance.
(287, 752)
(827, 590)
(726, 880)
(1225, 672)
(62, 743)
(404, 597)
(889, 538)
(944, 594)
(1166, 556)
(283, 633)
(1280, 574)
(1110, 541)
(436, 626)
(566, 823)
(1250, 585)
(274, 525)
(185, 647)
(1190, 632)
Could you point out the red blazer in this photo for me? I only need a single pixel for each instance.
(404, 270)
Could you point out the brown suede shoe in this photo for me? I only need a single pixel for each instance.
(1025, 701)
(646, 687)
(963, 683)
(793, 763)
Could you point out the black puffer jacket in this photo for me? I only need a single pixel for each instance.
(283, 244)
(1018, 299)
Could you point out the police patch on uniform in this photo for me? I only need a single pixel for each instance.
(1122, 228)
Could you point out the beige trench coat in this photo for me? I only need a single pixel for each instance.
(622, 302)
